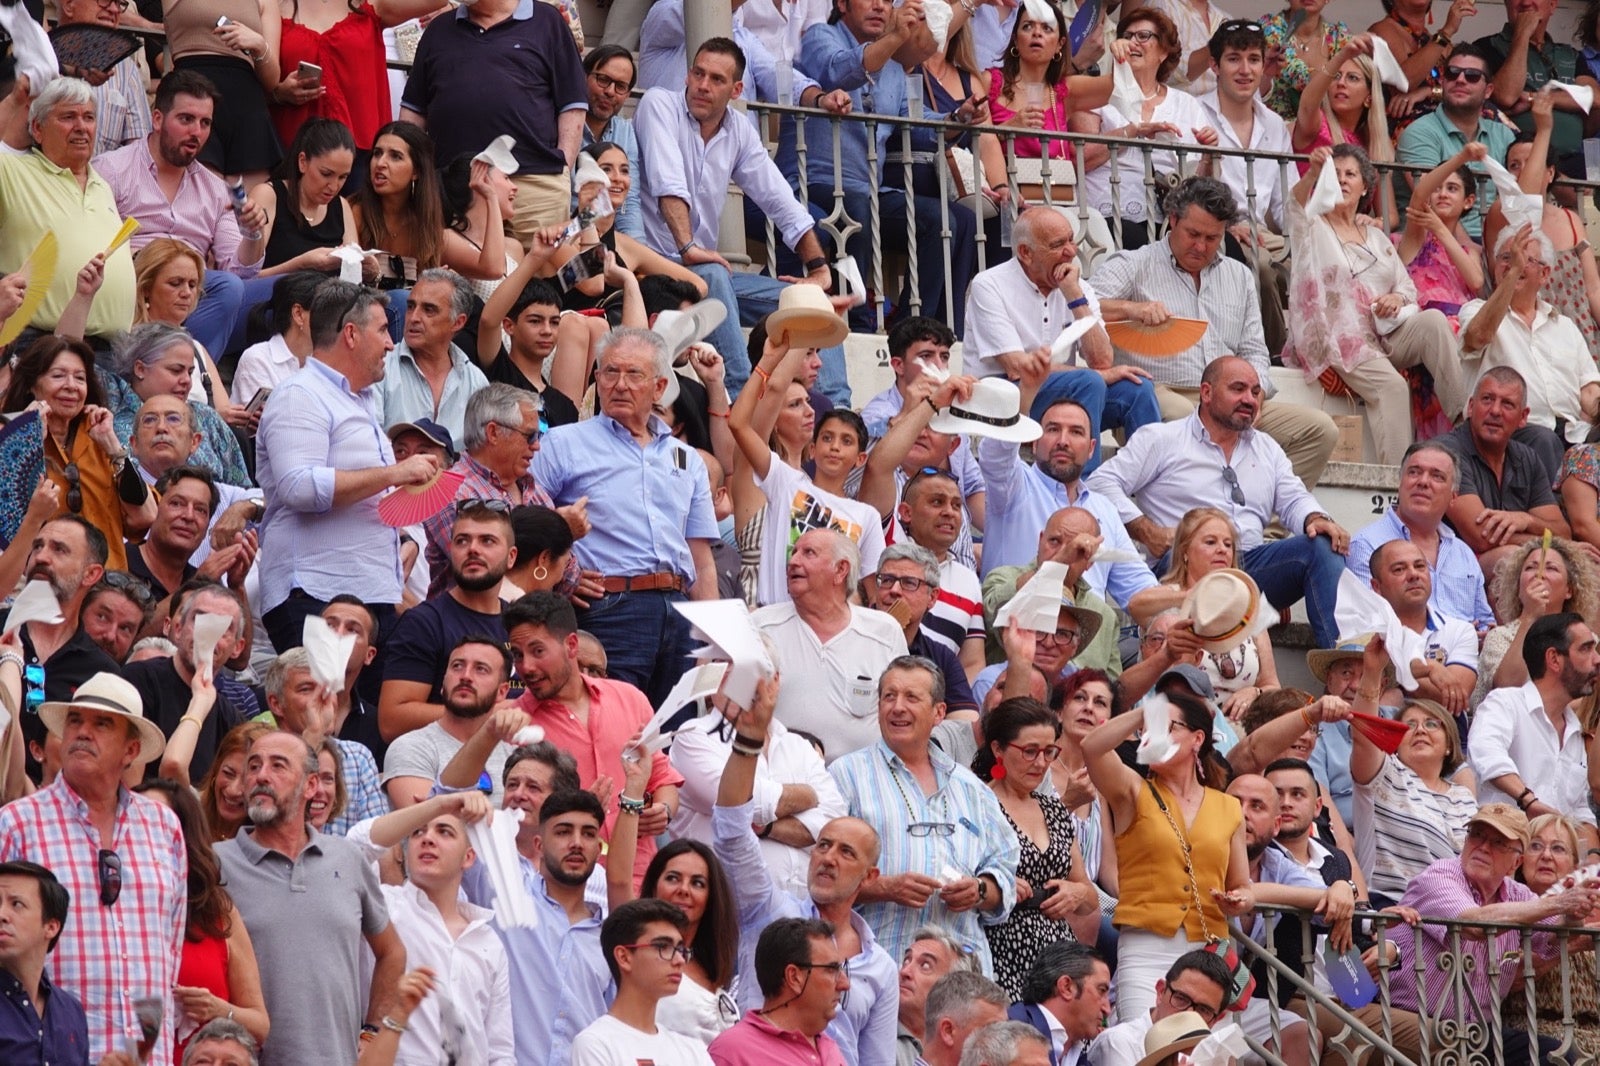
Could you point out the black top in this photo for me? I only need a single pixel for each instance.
(166, 699)
(361, 726)
(558, 409)
(137, 567)
(1523, 486)
(292, 236)
(75, 662)
(420, 648)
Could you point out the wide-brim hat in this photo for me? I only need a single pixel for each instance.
(1505, 820)
(1318, 660)
(1224, 605)
(108, 694)
(680, 329)
(806, 319)
(1088, 621)
(993, 410)
(1172, 1035)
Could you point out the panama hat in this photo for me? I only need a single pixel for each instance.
(1318, 660)
(108, 694)
(1172, 1035)
(805, 318)
(993, 410)
(1223, 607)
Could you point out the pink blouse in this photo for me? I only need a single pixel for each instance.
(1054, 119)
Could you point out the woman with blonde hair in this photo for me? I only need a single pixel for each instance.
(169, 279)
(1343, 104)
(1529, 584)
(1553, 852)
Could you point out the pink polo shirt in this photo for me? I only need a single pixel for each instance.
(617, 711)
(756, 1040)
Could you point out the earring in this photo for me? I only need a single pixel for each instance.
(998, 773)
(540, 572)
(1014, 53)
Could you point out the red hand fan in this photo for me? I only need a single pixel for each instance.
(1385, 733)
(411, 504)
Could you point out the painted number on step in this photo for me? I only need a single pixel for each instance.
(1380, 501)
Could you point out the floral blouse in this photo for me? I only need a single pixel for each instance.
(1284, 96)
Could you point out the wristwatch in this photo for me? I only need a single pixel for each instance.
(983, 891)
(813, 265)
(1442, 41)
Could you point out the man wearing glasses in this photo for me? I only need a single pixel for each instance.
(804, 979)
(1196, 982)
(643, 943)
(1456, 122)
(611, 73)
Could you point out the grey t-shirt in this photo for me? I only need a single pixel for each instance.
(427, 751)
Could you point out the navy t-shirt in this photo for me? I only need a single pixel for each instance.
(420, 648)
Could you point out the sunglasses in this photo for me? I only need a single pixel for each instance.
(1471, 75)
(108, 872)
(130, 585)
(1235, 493)
(74, 487)
(1241, 26)
(478, 503)
(530, 435)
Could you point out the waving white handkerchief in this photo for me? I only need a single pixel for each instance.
(1325, 195)
(35, 603)
(1156, 745)
(1061, 351)
(1581, 95)
(1037, 604)
(499, 155)
(937, 14)
(1389, 71)
(1039, 11)
(327, 652)
(1520, 208)
(1360, 610)
(725, 627)
(495, 841)
(1126, 96)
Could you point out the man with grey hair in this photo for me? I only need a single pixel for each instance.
(653, 522)
(838, 648)
(301, 704)
(165, 436)
(1430, 477)
(222, 1042)
(52, 189)
(274, 867)
(1517, 327)
(1007, 1044)
(908, 586)
(959, 1004)
(933, 953)
(427, 375)
(1187, 275)
(323, 462)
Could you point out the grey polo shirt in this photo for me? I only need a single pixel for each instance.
(307, 918)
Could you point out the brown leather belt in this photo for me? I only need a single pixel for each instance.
(665, 581)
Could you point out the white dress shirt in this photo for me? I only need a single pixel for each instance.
(1006, 312)
(1511, 733)
(1268, 133)
(1552, 357)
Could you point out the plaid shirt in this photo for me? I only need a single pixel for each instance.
(109, 956)
(483, 484)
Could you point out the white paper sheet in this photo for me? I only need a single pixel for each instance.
(30, 47)
(1325, 195)
(1156, 744)
(1037, 604)
(208, 630)
(1389, 71)
(499, 155)
(725, 627)
(937, 14)
(850, 282)
(35, 603)
(1581, 95)
(1126, 96)
(327, 651)
(1039, 11)
(1224, 1046)
(1360, 610)
(697, 682)
(1520, 208)
(350, 258)
(1062, 350)
(1386, 326)
(495, 841)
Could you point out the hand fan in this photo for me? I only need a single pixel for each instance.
(40, 267)
(1385, 733)
(1173, 336)
(410, 504)
(130, 226)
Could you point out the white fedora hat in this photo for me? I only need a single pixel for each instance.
(806, 317)
(993, 410)
(108, 694)
(1223, 605)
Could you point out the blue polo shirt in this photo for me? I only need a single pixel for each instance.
(526, 71)
(1433, 138)
(61, 1036)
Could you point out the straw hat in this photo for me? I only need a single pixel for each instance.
(1320, 659)
(806, 319)
(993, 410)
(1088, 621)
(1223, 607)
(1173, 1034)
(108, 694)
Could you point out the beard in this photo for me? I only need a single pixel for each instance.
(468, 707)
(560, 876)
(489, 579)
(63, 585)
(1065, 471)
(264, 811)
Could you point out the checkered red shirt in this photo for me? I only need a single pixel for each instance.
(482, 484)
(109, 956)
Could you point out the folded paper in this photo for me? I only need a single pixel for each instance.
(35, 603)
(1156, 745)
(1581, 95)
(698, 682)
(725, 627)
(327, 652)
(1037, 604)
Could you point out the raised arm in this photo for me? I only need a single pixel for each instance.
(923, 398)
(1308, 120)
(498, 307)
(755, 412)
(1117, 784)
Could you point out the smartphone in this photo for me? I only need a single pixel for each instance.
(310, 72)
(584, 265)
(222, 20)
(258, 401)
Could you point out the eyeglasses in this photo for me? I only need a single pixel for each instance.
(108, 871)
(910, 584)
(1494, 841)
(1186, 1002)
(665, 949)
(1031, 752)
(632, 378)
(1432, 725)
(1060, 637)
(114, 5)
(1142, 36)
(530, 435)
(1235, 493)
(479, 503)
(931, 829)
(1470, 75)
(610, 84)
(170, 418)
(1557, 850)
(130, 585)
(74, 487)
(836, 969)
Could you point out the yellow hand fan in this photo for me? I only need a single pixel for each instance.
(1173, 336)
(130, 226)
(40, 266)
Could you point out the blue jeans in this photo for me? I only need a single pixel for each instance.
(1127, 405)
(647, 642)
(254, 291)
(749, 298)
(1295, 567)
(211, 322)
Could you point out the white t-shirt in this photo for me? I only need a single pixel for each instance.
(795, 506)
(608, 1042)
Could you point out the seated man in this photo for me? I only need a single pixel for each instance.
(1522, 57)
(164, 437)
(530, 317)
(1216, 457)
(1517, 328)
(1188, 275)
(1007, 337)
(852, 52)
(908, 585)
(1459, 120)
(426, 375)
(1505, 496)
(933, 954)
(1528, 746)
(302, 705)
(1430, 478)
(1199, 981)
(958, 1004)
(1065, 996)
(1449, 667)
(803, 976)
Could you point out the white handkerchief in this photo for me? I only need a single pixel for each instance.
(1062, 350)
(208, 630)
(1588, 875)
(1386, 326)
(937, 14)
(850, 283)
(529, 734)
(350, 258)
(697, 682)
(725, 627)
(495, 841)
(1389, 71)
(1358, 609)
(939, 374)
(1581, 95)
(950, 874)
(327, 652)
(1037, 604)
(1325, 195)
(1520, 208)
(1039, 11)
(498, 155)
(30, 47)
(35, 603)
(1126, 96)
(1107, 554)
(1156, 745)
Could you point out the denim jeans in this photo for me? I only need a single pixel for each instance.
(1127, 405)
(1295, 567)
(212, 320)
(647, 642)
(749, 298)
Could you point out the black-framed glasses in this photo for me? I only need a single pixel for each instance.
(108, 872)
(130, 585)
(1142, 36)
(482, 503)
(1031, 752)
(1235, 492)
(74, 487)
(931, 829)
(1184, 1002)
(1471, 75)
(610, 84)
(114, 5)
(1059, 636)
(665, 949)
(530, 435)
(834, 969)
(910, 584)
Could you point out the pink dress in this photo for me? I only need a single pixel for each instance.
(1439, 283)
(1055, 119)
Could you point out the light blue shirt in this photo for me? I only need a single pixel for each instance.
(559, 979)
(1279, 868)
(1457, 578)
(313, 427)
(1330, 763)
(663, 64)
(1021, 498)
(619, 131)
(832, 57)
(404, 395)
(645, 503)
(866, 1025)
(878, 788)
(676, 161)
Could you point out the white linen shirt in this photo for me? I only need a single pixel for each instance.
(1552, 357)
(1512, 734)
(1268, 133)
(1007, 313)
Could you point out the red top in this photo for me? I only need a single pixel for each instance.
(203, 964)
(354, 74)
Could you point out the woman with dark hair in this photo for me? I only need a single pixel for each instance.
(306, 219)
(1084, 701)
(398, 211)
(543, 541)
(612, 72)
(217, 973)
(1055, 899)
(269, 363)
(82, 453)
(477, 198)
(224, 789)
(1188, 833)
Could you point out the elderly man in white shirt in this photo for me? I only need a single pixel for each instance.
(1516, 327)
(1528, 746)
(1017, 310)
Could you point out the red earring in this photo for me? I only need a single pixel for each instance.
(998, 773)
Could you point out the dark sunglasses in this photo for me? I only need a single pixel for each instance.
(74, 487)
(531, 435)
(108, 871)
(1235, 493)
(1471, 75)
(478, 503)
(1241, 26)
(130, 585)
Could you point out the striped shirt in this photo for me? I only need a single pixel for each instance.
(109, 957)
(1227, 297)
(880, 789)
(1402, 825)
(364, 797)
(481, 483)
(121, 107)
(958, 612)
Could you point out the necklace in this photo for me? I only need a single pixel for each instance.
(944, 797)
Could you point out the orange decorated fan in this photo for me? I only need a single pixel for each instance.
(1385, 733)
(410, 504)
(1173, 336)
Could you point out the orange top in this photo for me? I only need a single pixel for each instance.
(1155, 886)
(98, 485)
